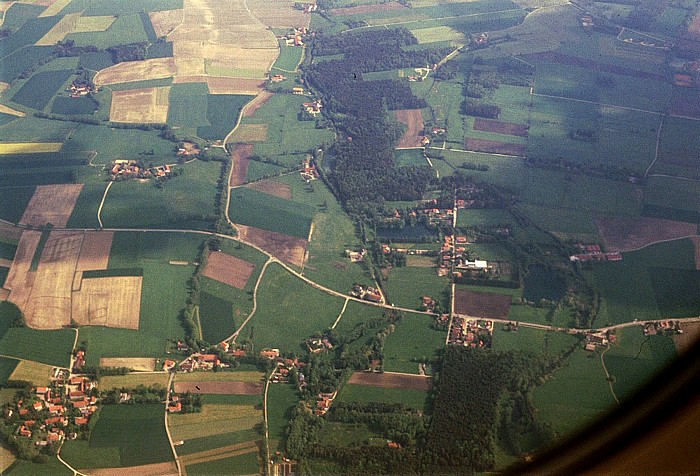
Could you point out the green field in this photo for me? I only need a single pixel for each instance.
(73, 106)
(216, 316)
(412, 339)
(186, 105)
(258, 170)
(410, 157)
(184, 202)
(222, 113)
(347, 434)
(366, 393)
(289, 58)
(258, 209)
(7, 366)
(247, 463)
(679, 148)
(406, 285)
(289, 311)
(134, 433)
(195, 445)
(281, 400)
(85, 212)
(576, 395)
(355, 314)
(107, 7)
(532, 340)
(29, 468)
(38, 91)
(635, 358)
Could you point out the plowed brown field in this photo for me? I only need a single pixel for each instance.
(391, 380)
(51, 204)
(289, 249)
(228, 269)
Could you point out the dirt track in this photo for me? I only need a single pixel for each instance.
(240, 155)
(391, 380)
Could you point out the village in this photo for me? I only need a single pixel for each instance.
(470, 332)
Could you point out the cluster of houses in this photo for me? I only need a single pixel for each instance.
(122, 168)
(308, 170)
(594, 253)
(324, 402)
(54, 413)
(470, 332)
(284, 367)
(598, 339)
(188, 149)
(296, 38)
(663, 328)
(316, 345)
(199, 361)
(686, 73)
(313, 108)
(367, 293)
(428, 303)
(80, 88)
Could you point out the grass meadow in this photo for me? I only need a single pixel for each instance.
(366, 394)
(258, 209)
(413, 338)
(247, 463)
(281, 400)
(289, 311)
(406, 285)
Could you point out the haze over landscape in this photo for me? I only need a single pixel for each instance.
(338, 236)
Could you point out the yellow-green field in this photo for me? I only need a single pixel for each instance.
(59, 31)
(133, 380)
(6, 459)
(214, 419)
(38, 374)
(90, 24)
(438, 33)
(29, 147)
(219, 377)
(250, 133)
(54, 8)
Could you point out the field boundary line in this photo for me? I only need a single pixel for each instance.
(167, 427)
(219, 453)
(607, 375)
(235, 335)
(102, 203)
(656, 148)
(342, 311)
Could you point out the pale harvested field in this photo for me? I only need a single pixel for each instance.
(38, 374)
(259, 101)
(157, 469)
(8, 110)
(4, 6)
(240, 157)
(165, 22)
(133, 380)
(220, 453)
(223, 85)
(289, 249)
(420, 261)
(149, 105)
(627, 234)
(59, 31)
(381, 7)
(49, 304)
(413, 119)
(271, 187)
(279, 13)
(54, 7)
(111, 302)
(228, 269)
(690, 336)
(391, 380)
(139, 364)
(19, 279)
(7, 457)
(28, 147)
(250, 133)
(220, 388)
(247, 376)
(130, 71)
(696, 243)
(214, 419)
(51, 204)
(94, 253)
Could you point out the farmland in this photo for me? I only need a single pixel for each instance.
(133, 380)
(253, 208)
(38, 91)
(363, 394)
(412, 340)
(214, 419)
(406, 286)
(37, 373)
(281, 400)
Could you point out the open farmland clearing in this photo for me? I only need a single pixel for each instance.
(482, 304)
(277, 189)
(240, 157)
(155, 469)
(11, 148)
(35, 372)
(139, 364)
(132, 379)
(500, 127)
(51, 204)
(108, 301)
(250, 133)
(214, 419)
(130, 71)
(94, 253)
(391, 380)
(148, 105)
(228, 269)
(289, 249)
(413, 119)
(627, 234)
(278, 14)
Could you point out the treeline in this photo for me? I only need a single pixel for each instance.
(141, 394)
(489, 111)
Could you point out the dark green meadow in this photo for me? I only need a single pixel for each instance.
(128, 435)
(40, 89)
(253, 208)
